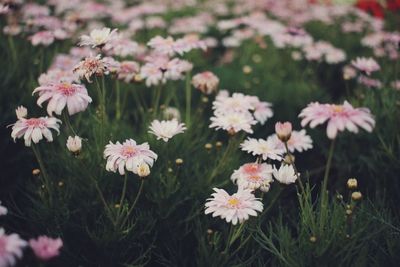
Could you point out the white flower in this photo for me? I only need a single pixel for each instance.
(166, 129)
(74, 144)
(286, 174)
(98, 38)
(21, 112)
(253, 176)
(263, 148)
(298, 141)
(233, 208)
(233, 122)
(11, 248)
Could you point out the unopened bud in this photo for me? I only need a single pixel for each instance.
(356, 196)
(35, 172)
(179, 161)
(143, 170)
(208, 146)
(74, 144)
(283, 131)
(352, 183)
(313, 239)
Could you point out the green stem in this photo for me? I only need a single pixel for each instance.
(324, 193)
(43, 171)
(188, 90)
(221, 162)
(157, 99)
(117, 100)
(121, 201)
(134, 202)
(294, 167)
(12, 47)
(68, 123)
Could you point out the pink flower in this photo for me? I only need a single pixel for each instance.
(34, 129)
(128, 70)
(298, 141)
(44, 37)
(59, 95)
(45, 247)
(128, 155)
(10, 248)
(253, 176)
(206, 82)
(233, 208)
(339, 117)
(283, 130)
(367, 65)
(91, 66)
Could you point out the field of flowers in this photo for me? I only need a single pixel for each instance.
(199, 133)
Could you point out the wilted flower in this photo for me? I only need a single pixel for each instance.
(59, 95)
(233, 208)
(367, 65)
(34, 129)
(74, 144)
(253, 176)
(339, 117)
(166, 129)
(91, 66)
(128, 155)
(206, 82)
(286, 174)
(283, 130)
(98, 37)
(21, 112)
(11, 248)
(262, 148)
(45, 247)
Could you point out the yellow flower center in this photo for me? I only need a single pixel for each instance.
(233, 202)
(337, 108)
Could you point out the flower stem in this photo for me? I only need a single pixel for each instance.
(134, 202)
(45, 177)
(188, 90)
(157, 99)
(294, 167)
(68, 123)
(117, 100)
(324, 193)
(123, 193)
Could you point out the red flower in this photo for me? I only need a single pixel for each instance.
(372, 7)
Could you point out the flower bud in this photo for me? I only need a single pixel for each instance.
(313, 239)
(283, 131)
(352, 183)
(356, 196)
(143, 170)
(179, 161)
(208, 146)
(21, 112)
(74, 144)
(35, 172)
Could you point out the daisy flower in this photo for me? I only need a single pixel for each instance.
(59, 95)
(128, 155)
(91, 66)
(286, 174)
(339, 117)
(233, 208)
(367, 65)
(206, 82)
(128, 70)
(98, 37)
(165, 46)
(11, 248)
(166, 129)
(253, 176)
(233, 122)
(298, 141)
(45, 38)
(266, 149)
(34, 129)
(45, 247)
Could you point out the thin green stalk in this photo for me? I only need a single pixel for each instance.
(188, 90)
(12, 48)
(134, 202)
(43, 171)
(223, 158)
(157, 99)
(294, 167)
(324, 193)
(121, 201)
(68, 123)
(117, 100)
